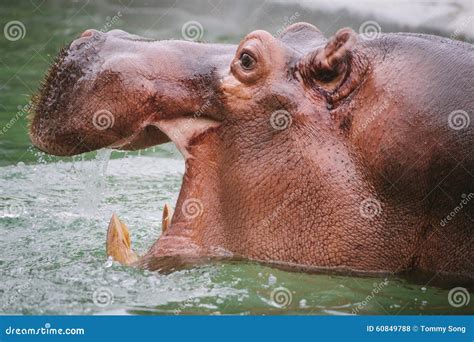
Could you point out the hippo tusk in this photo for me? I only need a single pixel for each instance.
(118, 237)
(167, 215)
(118, 242)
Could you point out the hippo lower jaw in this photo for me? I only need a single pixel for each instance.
(170, 250)
(177, 249)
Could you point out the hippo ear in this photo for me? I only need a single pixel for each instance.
(326, 63)
(302, 37)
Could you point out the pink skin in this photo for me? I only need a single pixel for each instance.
(289, 142)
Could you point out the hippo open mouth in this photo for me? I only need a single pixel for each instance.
(120, 91)
(275, 135)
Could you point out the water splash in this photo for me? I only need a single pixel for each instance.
(93, 176)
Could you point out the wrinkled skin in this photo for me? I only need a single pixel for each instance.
(361, 124)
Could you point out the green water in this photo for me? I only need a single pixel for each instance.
(54, 212)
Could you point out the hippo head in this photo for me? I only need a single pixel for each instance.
(254, 122)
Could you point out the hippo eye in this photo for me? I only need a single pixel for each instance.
(247, 61)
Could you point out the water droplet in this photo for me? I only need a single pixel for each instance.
(272, 279)
(109, 262)
(303, 303)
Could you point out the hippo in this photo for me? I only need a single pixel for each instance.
(347, 154)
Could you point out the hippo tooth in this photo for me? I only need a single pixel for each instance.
(167, 215)
(119, 243)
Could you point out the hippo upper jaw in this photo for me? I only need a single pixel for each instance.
(114, 89)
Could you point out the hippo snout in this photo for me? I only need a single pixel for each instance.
(110, 90)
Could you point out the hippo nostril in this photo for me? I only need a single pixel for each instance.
(88, 33)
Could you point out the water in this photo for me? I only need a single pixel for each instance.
(54, 211)
(53, 227)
